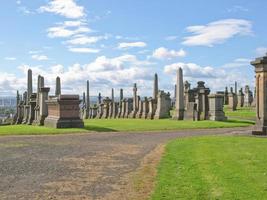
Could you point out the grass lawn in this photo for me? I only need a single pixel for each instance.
(213, 167)
(117, 125)
(158, 125)
(241, 113)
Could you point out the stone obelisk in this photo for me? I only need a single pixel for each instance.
(29, 88)
(58, 87)
(87, 100)
(156, 87)
(179, 104)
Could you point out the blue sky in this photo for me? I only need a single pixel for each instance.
(116, 43)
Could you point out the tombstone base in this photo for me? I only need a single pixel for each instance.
(260, 131)
(64, 123)
(178, 115)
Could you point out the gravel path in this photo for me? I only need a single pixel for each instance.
(78, 166)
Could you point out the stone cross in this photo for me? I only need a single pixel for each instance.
(179, 104)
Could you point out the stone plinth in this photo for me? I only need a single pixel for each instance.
(63, 112)
(191, 111)
(232, 101)
(163, 105)
(260, 65)
(216, 112)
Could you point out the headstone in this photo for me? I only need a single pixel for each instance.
(106, 108)
(140, 110)
(111, 104)
(63, 111)
(202, 101)
(163, 105)
(189, 95)
(226, 99)
(216, 112)
(179, 104)
(240, 98)
(32, 104)
(248, 98)
(43, 104)
(100, 109)
(152, 106)
(87, 99)
(260, 65)
(232, 100)
(191, 111)
(128, 107)
(145, 108)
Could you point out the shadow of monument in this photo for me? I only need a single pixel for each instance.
(99, 129)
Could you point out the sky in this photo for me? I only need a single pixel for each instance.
(116, 43)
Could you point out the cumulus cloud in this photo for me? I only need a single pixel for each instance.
(83, 39)
(237, 63)
(64, 32)
(127, 45)
(217, 32)
(83, 50)
(66, 8)
(261, 51)
(39, 57)
(164, 53)
(103, 73)
(215, 78)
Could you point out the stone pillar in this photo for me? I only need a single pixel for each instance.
(43, 106)
(152, 106)
(216, 112)
(29, 89)
(111, 104)
(240, 98)
(83, 110)
(99, 98)
(140, 109)
(156, 87)
(235, 87)
(123, 108)
(145, 108)
(128, 107)
(106, 108)
(135, 100)
(58, 87)
(100, 111)
(260, 65)
(226, 100)
(179, 104)
(87, 100)
(232, 100)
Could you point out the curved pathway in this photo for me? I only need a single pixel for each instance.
(78, 166)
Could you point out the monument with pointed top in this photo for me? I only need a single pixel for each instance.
(179, 103)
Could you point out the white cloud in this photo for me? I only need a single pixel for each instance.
(237, 63)
(39, 57)
(164, 53)
(18, 2)
(62, 31)
(261, 51)
(66, 8)
(83, 50)
(215, 78)
(83, 39)
(10, 58)
(126, 45)
(217, 32)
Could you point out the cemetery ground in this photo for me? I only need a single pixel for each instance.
(135, 159)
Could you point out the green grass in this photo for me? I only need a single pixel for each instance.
(120, 125)
(241, 113)
(35, 130)
(213, 167)
(158, 125)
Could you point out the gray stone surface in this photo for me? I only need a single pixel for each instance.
(216, 103)
(179, 102)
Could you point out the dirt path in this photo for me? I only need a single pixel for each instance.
(79, 166)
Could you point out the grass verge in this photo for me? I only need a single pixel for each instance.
(213, 167)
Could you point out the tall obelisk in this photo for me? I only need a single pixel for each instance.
(179, 104)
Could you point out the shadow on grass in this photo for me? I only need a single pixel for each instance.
(240, 121)
(98, 129)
